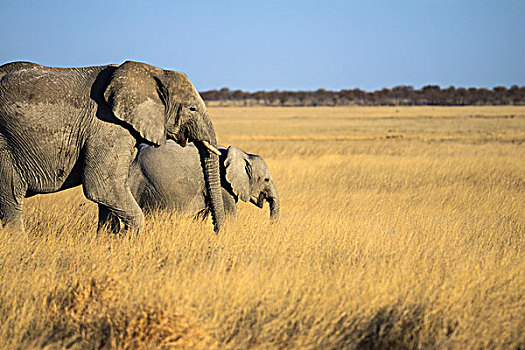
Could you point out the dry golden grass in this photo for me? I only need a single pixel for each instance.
(400, 228)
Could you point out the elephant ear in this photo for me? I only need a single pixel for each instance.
(237, 168)
(133, 94)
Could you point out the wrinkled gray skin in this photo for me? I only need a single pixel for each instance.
(63, 127)
(243, 176)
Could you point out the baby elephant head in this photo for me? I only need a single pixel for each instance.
(250, 179)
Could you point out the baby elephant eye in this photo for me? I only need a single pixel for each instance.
(193, 109)
(266, 179)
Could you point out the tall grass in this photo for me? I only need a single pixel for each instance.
(400, 228)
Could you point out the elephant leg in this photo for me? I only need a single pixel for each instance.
(105, 182)
(11, 212)
(12, 193)
(230, 207)
(115, 202)
(107, 221)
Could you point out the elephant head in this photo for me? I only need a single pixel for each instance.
(250, 179)
(160, 104)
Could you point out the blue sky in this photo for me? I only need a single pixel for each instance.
(267, 45)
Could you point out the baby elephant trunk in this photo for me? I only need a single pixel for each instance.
(273, 201)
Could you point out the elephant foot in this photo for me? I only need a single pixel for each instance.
(118, 225)
(11, 219)
(15, 229)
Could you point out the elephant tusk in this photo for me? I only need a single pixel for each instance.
(211, 148)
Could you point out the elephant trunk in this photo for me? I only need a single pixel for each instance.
(273, 201)
(210, 164)
(211, 173)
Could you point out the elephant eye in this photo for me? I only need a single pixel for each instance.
(193, 109)
(266, 179)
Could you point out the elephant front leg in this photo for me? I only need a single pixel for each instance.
(115, 203)
(107, 221)
(230, 207)
(105, 182)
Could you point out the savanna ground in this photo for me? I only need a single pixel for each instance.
(401, 227)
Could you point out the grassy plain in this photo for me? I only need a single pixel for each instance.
(401, 227)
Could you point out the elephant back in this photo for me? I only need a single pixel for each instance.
(170, 170)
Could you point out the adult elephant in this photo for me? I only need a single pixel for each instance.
(155, 184)
(62, 127)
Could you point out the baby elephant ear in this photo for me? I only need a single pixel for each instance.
(237, 166)
(134, 99)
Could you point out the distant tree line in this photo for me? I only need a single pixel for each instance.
(398, 96)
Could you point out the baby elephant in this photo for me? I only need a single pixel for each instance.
(155, 183)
